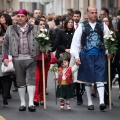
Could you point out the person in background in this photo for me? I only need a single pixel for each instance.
(64, 38)
(70, 12)
(51, 22)
(85, 16)
(117, 57)
(9, 11)
(115, 21)
(76, 18)
(1, 34)
(54, 33)
(103, 13)
(30, 15)
(31, 21)
(13, 16)
(77, 87)
(57, 20)
(6, 21)
(5, 79)
(61, 26)
(37, 13)
(44, 19)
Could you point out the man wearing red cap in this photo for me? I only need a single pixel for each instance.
(19, 41)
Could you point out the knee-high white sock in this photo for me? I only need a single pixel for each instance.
(100, 88)
(88, 89)
(31, 91)
(22, 95)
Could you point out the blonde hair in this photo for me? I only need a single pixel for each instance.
(31, 20)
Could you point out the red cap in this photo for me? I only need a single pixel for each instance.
(22, 11)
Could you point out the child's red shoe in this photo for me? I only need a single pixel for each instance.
(68, 106)
(62, 104)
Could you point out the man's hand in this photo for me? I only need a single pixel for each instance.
(6, 61)
(1, 41)
(109, 56)
(77, 61)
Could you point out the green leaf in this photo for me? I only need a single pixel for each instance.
(54, 69)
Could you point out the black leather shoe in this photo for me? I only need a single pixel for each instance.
(22, 108)
(91, 107)
(102, 107)
(41, 103)
(47, 93)
(36, 103)
(31, 108)
(5, 102)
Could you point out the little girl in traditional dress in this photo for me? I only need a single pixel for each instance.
(64, 89)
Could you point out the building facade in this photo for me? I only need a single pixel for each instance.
(59, 7)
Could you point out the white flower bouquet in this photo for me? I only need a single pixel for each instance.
(110, 42)
(43, 40)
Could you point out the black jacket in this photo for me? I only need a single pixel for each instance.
(63, 41)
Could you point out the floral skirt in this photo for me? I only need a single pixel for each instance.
(65, 91)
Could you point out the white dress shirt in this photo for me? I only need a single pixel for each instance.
(75, 25)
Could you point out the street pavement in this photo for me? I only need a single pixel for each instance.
(53, 112)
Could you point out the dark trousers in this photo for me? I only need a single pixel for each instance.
(13, 77)
(0, 88)
(6, 83)
(79, 90)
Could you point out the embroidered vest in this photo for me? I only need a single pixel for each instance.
(68, 75)
(92, 38)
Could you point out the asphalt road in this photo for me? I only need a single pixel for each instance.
(53, 112)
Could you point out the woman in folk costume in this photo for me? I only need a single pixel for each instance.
(108, 21)
(39, 73)
(64, 88)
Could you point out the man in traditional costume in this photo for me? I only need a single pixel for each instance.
(19, 41)
(92, 58)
